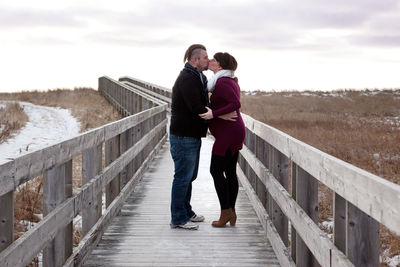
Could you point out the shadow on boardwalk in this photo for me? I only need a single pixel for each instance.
(141, 235)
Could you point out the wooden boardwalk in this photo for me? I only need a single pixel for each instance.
(141, 235)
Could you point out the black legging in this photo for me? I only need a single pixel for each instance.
(223, 170)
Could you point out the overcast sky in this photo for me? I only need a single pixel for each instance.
(279, 44)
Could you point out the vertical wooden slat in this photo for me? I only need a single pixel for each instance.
(68, 193)
(53, 195)
(362, 242)
(339, 226)
(280, 170)
(293, 230)
(112, 153)
(307, 198)
(91, 166)
(130, 166)
(6, 220)
(124, 144)
(270, 165)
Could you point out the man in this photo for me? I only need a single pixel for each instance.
(189, 99)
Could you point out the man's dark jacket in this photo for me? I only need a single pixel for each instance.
(189, 99)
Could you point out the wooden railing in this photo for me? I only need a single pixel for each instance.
(159, 92)
(129, 146)
(271, 161)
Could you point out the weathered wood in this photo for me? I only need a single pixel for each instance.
(162, 90)
(27, 167)
(280, 170)
(123, 146)
(112, 153)
(150, 92)
(107, 175)
(307, 198)
(7, 173)
(293, 230)
(374, 195)
(145, 99)
(141, 235)
(316, 240)
(93, 237)
(339, 222)
(22, 251)
(91, 166)
(68, 193)
(273, 235)
(6, 220)
(362, 240)
(54, 195)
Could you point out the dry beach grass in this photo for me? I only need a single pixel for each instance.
(359, 127)
(12, 119)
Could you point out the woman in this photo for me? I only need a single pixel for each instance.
(229, 135)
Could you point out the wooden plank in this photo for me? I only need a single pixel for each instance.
(339, 225)
(54, 195)
(112, 153)
(293, 230)
(68, 193)
(96, 185)
(273, 235)
(374, 195)
(141, 82)
(307, 198)
(280, 170)
(141, 236)
(33, 164)
(147, 99)
(150, 92)
(92, 238)
(7, 173)
(123, 146)
(6, 220)
(362, 242)
(317, 241)
(91, 166)
(22, 251)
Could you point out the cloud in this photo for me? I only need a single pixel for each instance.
(378, 40)
(13, 18)
(283, 24)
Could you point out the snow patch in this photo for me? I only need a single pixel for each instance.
(391, 261)
(46, 126)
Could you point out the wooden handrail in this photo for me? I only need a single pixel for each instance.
(271, 160)
(130, 144)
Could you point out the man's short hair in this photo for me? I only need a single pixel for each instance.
(193, 51)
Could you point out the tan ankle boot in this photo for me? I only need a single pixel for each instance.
(233, 220)
(226, 216)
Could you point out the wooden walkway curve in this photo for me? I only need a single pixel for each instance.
(141, 235)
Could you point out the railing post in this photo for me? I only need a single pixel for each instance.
(6, 220)
(307, 198)
(91, 166)
(280, 170)
(53, 195)
(293, 230)
(339, 222)
(125, 144)
(362, 242)
(68, 193)
(112, 153)
(261, 188)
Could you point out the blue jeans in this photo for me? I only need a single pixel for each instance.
(185, 152)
